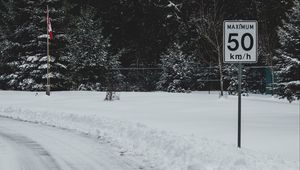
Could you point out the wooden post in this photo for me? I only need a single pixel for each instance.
(48, 58)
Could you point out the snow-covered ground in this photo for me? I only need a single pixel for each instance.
(195, 131)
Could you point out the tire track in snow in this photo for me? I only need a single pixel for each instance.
(30, 146)
(27, 154)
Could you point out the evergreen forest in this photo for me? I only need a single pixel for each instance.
(147, 45)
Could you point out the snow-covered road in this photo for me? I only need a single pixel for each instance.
(27, 146)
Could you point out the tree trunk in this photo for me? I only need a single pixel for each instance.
(221, 72)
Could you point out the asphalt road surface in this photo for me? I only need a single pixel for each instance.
(28, 146)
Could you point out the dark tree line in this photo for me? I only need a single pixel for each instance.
(182, 39)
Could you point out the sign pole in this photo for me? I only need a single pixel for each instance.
(48, 59)
(239, 105)
(240, 41)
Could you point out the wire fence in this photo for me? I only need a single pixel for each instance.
(259, 78)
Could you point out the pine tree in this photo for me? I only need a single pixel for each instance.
(27, 51)
(288, 58)
(180, 73)
(231, 72)
(9, 47)
(92, 65)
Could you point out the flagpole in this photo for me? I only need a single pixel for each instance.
(48, 58)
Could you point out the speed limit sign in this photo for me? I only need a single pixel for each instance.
(240, 41)
(240, 46)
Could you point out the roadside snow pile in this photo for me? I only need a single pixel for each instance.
(164, 150)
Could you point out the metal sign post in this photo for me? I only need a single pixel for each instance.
(239, 107)
(240, 46)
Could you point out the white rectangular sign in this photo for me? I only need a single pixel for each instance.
(240, 41)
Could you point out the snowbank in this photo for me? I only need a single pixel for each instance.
(164, 150)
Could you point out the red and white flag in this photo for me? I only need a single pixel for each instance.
(49, 28)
